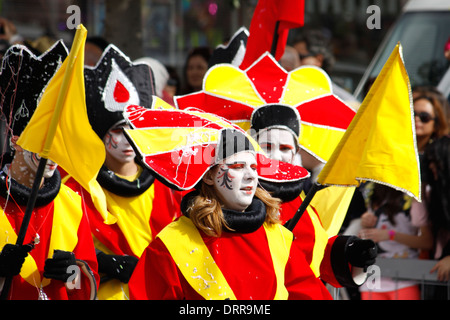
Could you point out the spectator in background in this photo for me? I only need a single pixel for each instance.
(8, 35)
(436, 177)
(195, 69)
(429, 118)
(314, 49)
(433, 91)
(160, 74)
(173, 85)
(400, 234)
(290, 59)
(93, 50)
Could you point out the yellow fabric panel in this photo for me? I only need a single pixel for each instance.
(133, 217)
(320, 141)
(232, 83)
(187, 248)
(332, 204)
(192, 257)
(280, 241)
(304, 84)
(160, 140)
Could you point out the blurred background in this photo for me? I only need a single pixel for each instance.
(167, 29)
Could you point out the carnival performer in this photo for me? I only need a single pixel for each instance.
(277, 129)
(274, 106)
(140, 205)
(229, 243)
(57, 243)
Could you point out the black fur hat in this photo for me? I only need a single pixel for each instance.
(114, 83)
(276, 116)
(23, 78)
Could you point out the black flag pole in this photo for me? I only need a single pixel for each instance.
(305, 203)
(26, 219)
(273, 49)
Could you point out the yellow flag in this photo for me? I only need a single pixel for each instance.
(60, 130)
(379, 144)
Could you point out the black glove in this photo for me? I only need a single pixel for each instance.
(58, 266)
(360, 253)
(116, 266)
(12, 258)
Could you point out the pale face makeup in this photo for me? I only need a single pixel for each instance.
(236, 180)
(278, 144)
(33, 159)
(117, 146)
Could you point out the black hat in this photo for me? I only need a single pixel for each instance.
(276, 116)
(23, 78)
(233, 52)
(114, 83)
(232, 141)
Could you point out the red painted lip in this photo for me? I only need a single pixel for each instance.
(247, 190)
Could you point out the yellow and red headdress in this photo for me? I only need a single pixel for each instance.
(181, 146)
(236, 94)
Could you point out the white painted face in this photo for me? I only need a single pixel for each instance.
(32, 160)
(117, 145)
(236, 180)
(278, 144)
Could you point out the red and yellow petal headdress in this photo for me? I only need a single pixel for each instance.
(235, 94)
(180, 146)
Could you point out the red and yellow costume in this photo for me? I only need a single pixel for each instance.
(138, 219)
(61, 225)
(242, 258)
(312, 239)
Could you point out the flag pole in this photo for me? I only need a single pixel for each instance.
(273, 49)
(77, 42)
(305, 203)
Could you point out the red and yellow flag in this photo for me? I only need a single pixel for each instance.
(59, 129)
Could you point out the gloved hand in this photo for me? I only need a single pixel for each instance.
(12, 258)
(360, 253)
(116, 266)
(58, 266)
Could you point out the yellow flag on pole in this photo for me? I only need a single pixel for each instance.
(379, 144)
(59, 129)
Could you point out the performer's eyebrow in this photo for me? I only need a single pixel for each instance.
(235, 164)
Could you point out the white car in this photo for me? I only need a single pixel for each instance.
(422, 29)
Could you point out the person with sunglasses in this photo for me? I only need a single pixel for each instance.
(430, 122)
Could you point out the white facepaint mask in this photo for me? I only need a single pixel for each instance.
(33, 159)
(236, 180)
(278, 144)
(117, 145)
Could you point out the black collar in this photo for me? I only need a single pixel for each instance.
(122, 187)
(240, 222)
(21, 193)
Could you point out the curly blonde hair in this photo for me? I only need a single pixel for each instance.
(206, 213)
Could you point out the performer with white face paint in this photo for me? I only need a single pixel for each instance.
(119, 153)
(229, 243)
(336, 259)
(141, 205)
(235, 180)
(279, 144)
(57, 240)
